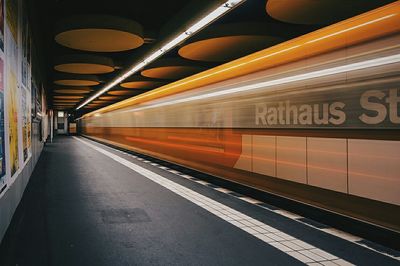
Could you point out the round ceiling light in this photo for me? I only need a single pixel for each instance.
(76, 80)
(109, 98)
(72, 90)
(124, 92)
(318, 12)
(67, 97)
(172, 69)
(140, 82)
(227, 42)
(84, 64)
(65, 100)
(99, 33)
(100, 101)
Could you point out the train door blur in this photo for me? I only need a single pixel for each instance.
(72, 128)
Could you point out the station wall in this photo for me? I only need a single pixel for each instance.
(23, 118)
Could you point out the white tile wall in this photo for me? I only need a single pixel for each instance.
(374, 169)
(291, 158)
(327, 163)
(264, 155)
(244, 161)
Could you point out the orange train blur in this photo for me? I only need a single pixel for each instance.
(231, 121)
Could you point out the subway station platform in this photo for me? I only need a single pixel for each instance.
(90, 204)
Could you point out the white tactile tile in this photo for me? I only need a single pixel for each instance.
(174, 172)
(341, 234)
(269, 228)
(265, 238)
(300, 257)
(275, 237)
(280, 246)
(285, 236)
(323, 254)
(292, 245)
(247, 223)
(311, 255)
(341, 262)
(250, 200)
(240, 220)
(260, 230)
(250, 230)
(186, 176)
(223, 190)
(237, 224)
(288, 214)
(303, 244)
(202, 182)
(328, 263)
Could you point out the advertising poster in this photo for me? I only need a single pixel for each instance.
(29, 123)
(13, 121)
(12, 83)
(1, 25)
(2, 140)
(33, 99)
(24, 48)
(24, 123)
(12, 17)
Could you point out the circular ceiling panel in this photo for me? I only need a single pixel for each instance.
(172, 69)
(67, 97)
(227, 42)
(65, 103)
(124, 92)
(109, 98)
(72, 90)
(76, 80)
(69, 105)
(84, 64)
(140, 82)
(99, 33)
(318, 12)
(226, 48)
(62, 107)
(66, 100)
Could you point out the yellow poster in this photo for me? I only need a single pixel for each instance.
(12, 17)
(12, 110)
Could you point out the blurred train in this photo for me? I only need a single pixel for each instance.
(315, 119)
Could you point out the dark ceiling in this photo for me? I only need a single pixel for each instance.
(159, 20)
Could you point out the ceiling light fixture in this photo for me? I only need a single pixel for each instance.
(215, 14)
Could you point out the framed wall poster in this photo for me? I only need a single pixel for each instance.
(2, 125)
(2, 25)
(25, 125)
(11, 55)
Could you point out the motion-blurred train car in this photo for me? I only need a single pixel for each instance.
(315, 119)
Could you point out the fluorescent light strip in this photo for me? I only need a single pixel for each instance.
(263, 85)
(218, 12)
(352, 28)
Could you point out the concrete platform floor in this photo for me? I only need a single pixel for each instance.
(88, 204)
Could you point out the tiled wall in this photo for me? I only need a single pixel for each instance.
(365, 168)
